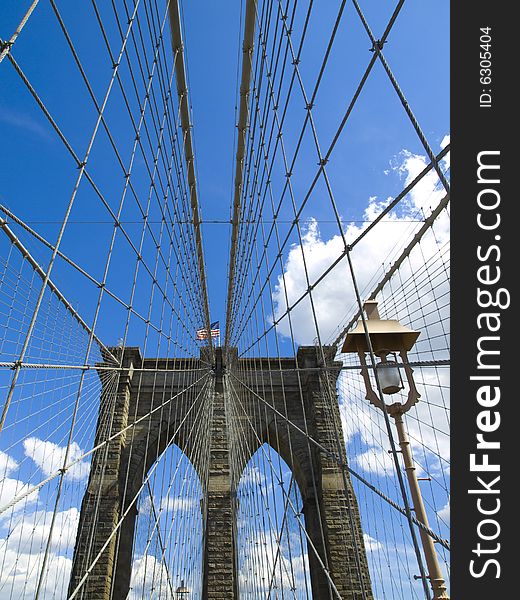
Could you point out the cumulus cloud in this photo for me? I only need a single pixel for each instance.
(252, 476)
(263, 567)
(444, 514)
(30, 534)
(24, 530)
(334, 295)
(382, 558)
(371, 544)
(22, 549)
(171, 504)
(49, 458)
(179, 504)
(10, 488)
(7, 464)
(149, 579)
(145, 506)
(374, 460)
(179, 526)
(20, 572)
(427, 423)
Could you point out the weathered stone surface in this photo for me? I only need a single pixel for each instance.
(300, 390)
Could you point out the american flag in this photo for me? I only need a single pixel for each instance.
(203, 335)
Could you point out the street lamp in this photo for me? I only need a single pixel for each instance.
(388, 337)
(181, 593)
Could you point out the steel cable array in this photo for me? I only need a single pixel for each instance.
(109, 402)
(277, 286)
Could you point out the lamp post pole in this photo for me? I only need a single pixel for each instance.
(434, 570)
(389, 336)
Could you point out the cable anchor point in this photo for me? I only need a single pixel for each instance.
(377, 45)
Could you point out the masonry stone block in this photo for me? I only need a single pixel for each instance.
(150, 404)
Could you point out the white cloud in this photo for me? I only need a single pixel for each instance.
(371, 544)
(9, 489)
(261, 564)
(20, 572)
(179, 504)
(252, 477)
(149, 579)
(145, 506)
(375, 460)
(427, 423)
(22, 551)
(25, 122)
(169, 504)
(25, 531)
(444, 514)
(49, 458)
(334, 295)
(446, 161)
(30, 534)
(7, 464)
(383, 559)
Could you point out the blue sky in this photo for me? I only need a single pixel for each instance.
(37, 175)
(376, 155)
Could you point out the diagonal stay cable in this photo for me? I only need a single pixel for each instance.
(6, 46)
(61, 233)
(182, 91)
(78, 459)
(421, 526)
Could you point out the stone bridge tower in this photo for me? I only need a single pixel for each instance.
(296, 392)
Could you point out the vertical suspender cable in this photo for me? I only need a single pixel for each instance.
(184, 109)
(243, 118)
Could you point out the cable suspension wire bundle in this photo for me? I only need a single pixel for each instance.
(137, 458)
(112, 393)
(281, 285)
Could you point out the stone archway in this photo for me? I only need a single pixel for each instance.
(302, 391)
(269, 522)
(293, 389)
(152, 411)
(167, 547)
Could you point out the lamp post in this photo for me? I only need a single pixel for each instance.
(389, 337)
(181, 593)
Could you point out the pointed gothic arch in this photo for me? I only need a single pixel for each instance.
(168, 533)
(154, 410)
(140, 430)
(270, 529)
